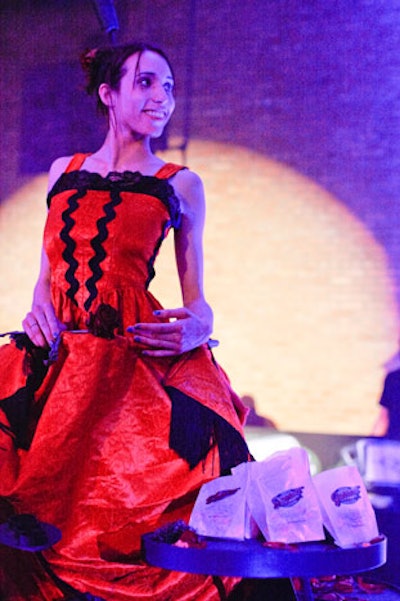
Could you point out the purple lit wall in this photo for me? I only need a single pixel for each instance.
(313, 85)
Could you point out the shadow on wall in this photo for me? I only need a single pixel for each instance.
(62, 117)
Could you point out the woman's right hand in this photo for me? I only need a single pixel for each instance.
(42, 325)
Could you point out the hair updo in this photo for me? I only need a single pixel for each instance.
(105, 65)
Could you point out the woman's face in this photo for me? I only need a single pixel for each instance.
(144, 102)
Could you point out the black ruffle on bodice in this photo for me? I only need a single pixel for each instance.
(116, 182)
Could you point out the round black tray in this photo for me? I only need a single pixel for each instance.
(254, 559)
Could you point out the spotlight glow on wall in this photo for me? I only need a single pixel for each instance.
(303, 298)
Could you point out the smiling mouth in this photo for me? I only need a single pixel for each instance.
(154, 114)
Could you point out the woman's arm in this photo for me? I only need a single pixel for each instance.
(191, 324)
(41, 323)
(189, 246)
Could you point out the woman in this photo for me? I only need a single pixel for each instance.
(117, 413)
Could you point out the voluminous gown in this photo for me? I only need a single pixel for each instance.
(98, 439)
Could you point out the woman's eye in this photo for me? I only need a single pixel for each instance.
(145, 82)
(169, 87)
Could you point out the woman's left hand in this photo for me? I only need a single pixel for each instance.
(185, 332)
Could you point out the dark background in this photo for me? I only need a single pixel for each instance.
(312, 84)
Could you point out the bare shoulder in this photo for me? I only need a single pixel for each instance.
(190, 190)
(57, 168)
(187, 179)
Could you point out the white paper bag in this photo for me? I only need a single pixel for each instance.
(243, 471)
(220, 508)
(347, 511)
(282, 498)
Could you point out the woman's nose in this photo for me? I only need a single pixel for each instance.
(160, 94)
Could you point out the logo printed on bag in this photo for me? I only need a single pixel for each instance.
(347, 495)
(288, 498)
(221, 494)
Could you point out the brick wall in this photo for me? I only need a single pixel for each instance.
(314, 85)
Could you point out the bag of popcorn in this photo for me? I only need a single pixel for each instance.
(283, 500)
(347, 511)
(251, 529)
(220, 508)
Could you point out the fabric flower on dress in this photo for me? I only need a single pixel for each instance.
(103, 321)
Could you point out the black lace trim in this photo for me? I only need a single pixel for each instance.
(128, 181)
(70, 244)
(97, 245)
(150, 266)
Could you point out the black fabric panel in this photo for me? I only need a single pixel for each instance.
(195, 429)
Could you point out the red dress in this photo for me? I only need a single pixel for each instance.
(112, 443)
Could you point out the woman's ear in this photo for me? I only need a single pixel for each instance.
(106, 95)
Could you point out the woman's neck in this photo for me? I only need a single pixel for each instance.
(135, 155)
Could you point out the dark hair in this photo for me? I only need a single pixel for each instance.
(104, 65)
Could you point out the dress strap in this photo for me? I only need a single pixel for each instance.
(168, 170)
(165, 172)
(76, 162)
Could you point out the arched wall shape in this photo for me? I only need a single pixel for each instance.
(304, 301)
(302, 294)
